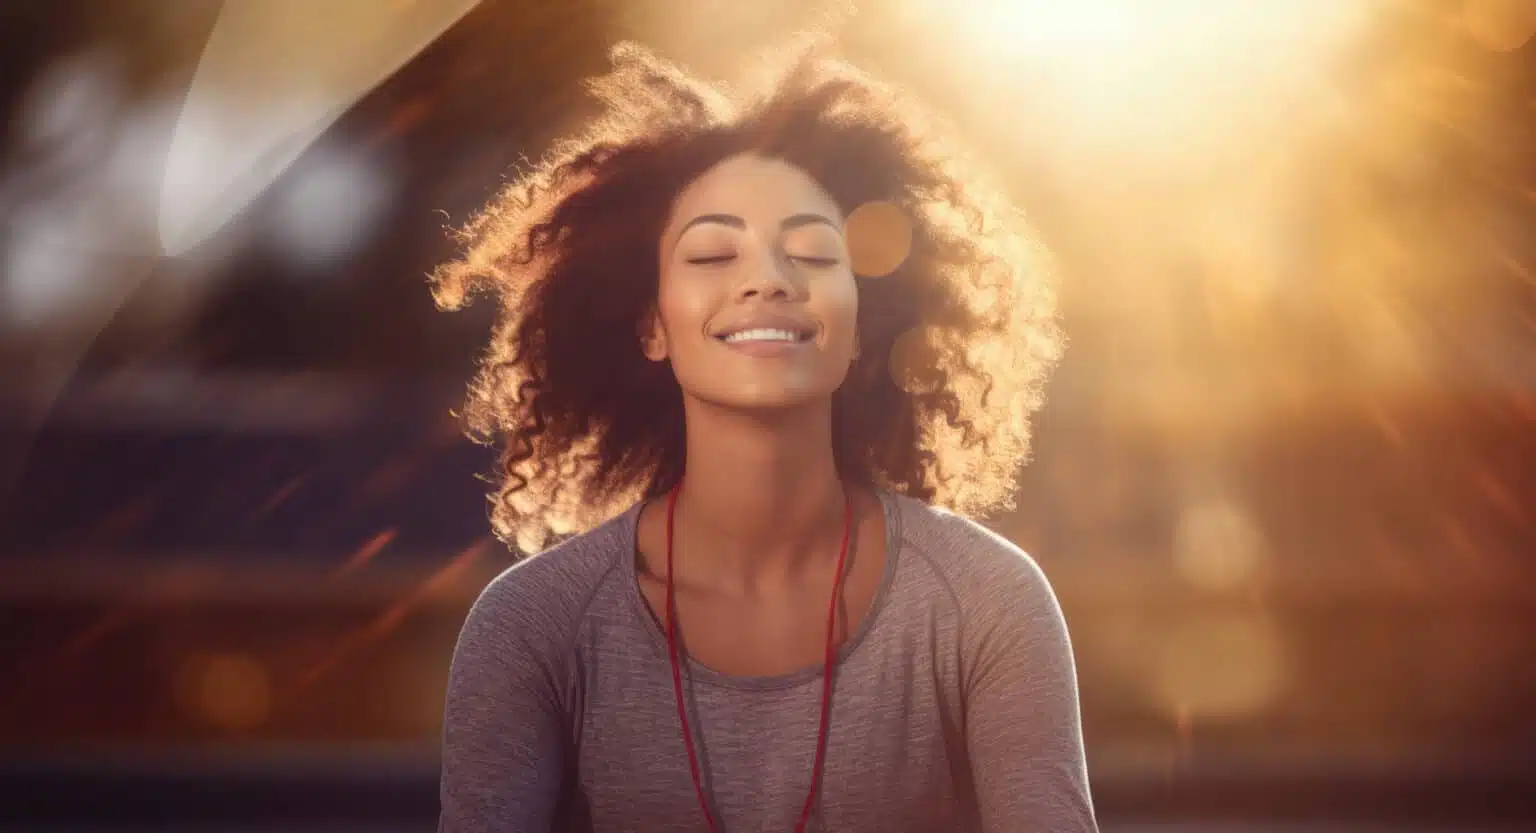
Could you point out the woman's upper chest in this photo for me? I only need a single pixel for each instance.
(894, 745)
(894, 729)
(783, 628)
(892, 682)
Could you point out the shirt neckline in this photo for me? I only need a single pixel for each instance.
(701, 673)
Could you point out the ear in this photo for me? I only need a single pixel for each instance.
(653, 339)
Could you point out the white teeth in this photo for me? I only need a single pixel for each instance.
(763, 334)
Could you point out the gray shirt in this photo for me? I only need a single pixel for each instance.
(954, 702)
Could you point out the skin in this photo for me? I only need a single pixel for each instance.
(760, 515)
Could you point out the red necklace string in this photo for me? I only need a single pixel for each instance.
(826, 686)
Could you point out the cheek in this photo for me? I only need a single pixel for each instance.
(839, 309)
(684, 307)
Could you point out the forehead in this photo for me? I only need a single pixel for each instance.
(755, 188)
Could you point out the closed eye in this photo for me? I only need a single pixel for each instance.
(711, 260)
(819, 262)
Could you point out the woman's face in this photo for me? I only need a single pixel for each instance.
(757, 306)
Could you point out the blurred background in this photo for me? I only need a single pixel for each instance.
(1284, 484)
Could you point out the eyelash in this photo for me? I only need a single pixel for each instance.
(819, 262)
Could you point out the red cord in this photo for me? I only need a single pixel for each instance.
(826, 680)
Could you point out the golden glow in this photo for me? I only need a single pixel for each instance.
(1077, 31)
(1149, 64)
(1218, 546)
(911, 368)
(879, 237)
(1271, 211)
(230, 691)
(1221, 171)
(1221, 666)
(1499, 24)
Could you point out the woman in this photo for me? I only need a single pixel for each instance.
(747, 346)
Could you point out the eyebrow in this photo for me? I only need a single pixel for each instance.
(799, 220)
(723, 219)
(792, 222)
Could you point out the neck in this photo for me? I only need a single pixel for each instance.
(761, 495)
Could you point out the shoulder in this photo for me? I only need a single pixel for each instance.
(985, 573)
(1011, 625)
(541, 601)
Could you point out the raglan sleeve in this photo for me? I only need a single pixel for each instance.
(1023, 723)
(503, 747)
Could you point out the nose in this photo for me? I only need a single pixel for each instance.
(768, 277)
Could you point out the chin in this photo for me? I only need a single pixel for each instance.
(762, 389)
(767, 398)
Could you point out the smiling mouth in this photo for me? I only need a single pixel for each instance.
(766, 334)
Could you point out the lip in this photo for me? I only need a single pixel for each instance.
(765, 349)
(767, 320)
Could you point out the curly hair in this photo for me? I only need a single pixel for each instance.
(956, 343)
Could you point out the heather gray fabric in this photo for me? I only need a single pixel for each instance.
(954, 702)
